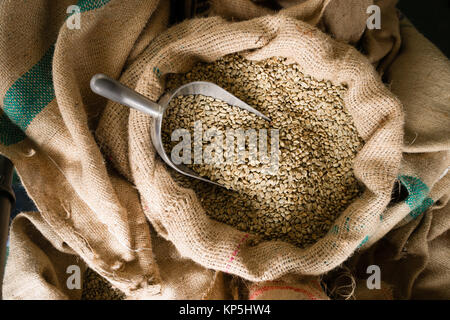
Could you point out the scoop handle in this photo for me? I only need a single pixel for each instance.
(113, 90)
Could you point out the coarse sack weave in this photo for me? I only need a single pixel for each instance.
(40, 260)
(46, 129)
(344, 20)
(308, 289)
(414, 255)
(47, 133)
(176, 213)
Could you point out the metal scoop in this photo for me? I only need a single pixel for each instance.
(115, 91)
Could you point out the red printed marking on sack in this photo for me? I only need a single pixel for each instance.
(317, 284)
(269, 288)
(235, 252)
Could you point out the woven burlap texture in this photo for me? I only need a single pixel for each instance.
(176, 213)
(96, 212)
(66, 169)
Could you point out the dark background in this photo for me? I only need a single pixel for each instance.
(432, 18)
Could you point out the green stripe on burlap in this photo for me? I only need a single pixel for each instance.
(417, 199)
(86, 5)
(32, 92)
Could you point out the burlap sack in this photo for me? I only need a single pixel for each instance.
(176, 213)
(381, 46)
(46, 131)
(308, 289)
(41, 260)
(345, 20)
(48, 114)
(414, 256)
